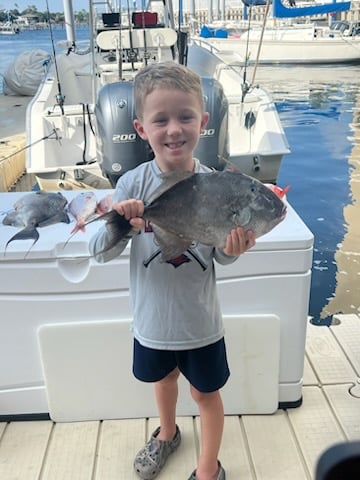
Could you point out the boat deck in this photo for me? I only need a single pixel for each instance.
(285, 445)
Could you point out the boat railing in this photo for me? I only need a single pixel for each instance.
(231, 60)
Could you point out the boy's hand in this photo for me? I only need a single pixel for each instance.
(239, 242)
(132, 210)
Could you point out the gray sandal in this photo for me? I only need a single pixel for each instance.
(150, 459)
(220, 476)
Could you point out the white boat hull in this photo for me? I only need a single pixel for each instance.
(323, 50)
(65, 145)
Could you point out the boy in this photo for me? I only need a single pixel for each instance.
(177, 322)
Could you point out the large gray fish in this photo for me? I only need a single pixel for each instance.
(36, 209)
(203, 207)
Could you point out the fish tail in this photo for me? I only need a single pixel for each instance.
(25, 234)
(118, 227)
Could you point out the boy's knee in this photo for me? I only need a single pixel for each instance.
(203, 397)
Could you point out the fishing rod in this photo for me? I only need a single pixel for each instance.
(169, 21)
(245, 86)
(60, 98)
(144, 32)
(132, 53)
(261, 40)
(119, 48)
(52, 135)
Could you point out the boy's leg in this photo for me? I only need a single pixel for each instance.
(166, 439)
(166, 393)
(212, 425)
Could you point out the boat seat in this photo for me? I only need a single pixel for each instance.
(75, 76)
(139, 38)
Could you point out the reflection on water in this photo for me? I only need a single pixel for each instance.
(347, 293)
(319, 109)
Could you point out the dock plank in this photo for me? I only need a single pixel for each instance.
(347, 332)
(327, 357)
(234, 452)
(22, 450)
(71, 451)
(309, 377)
(273, 448)
(118, 443)
(314, 425)
(346, 408)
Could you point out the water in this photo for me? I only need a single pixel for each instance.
(320, 110)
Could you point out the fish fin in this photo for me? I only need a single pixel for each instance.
(72, 233)
(285, 190)
(62, 217)
(169, 179)
(231, 167)
(279, 192)
(171, 245)
(81, 224)
(25, 234)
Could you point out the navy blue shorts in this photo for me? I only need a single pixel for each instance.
(206, 368)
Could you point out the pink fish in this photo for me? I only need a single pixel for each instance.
(82, 208)
(105, 204)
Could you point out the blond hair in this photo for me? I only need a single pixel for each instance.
(165, 75)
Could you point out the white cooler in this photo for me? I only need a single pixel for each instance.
(66, 346)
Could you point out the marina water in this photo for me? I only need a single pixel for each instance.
(320, 111)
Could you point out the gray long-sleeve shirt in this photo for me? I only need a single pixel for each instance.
(175, 303)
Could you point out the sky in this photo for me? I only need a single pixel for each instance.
(54, 5)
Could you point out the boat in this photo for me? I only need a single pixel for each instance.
(76, 139)
(291, 43)
(9, 28)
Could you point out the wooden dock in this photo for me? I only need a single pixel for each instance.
(285, 445)
(13, 143)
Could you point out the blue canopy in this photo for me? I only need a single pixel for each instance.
(252, 3)
(281, 11)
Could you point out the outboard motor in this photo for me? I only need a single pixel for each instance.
(119, 148)
(212, 149)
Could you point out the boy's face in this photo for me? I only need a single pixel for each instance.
(172, 122)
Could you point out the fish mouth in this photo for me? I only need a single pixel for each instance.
(283, 213)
